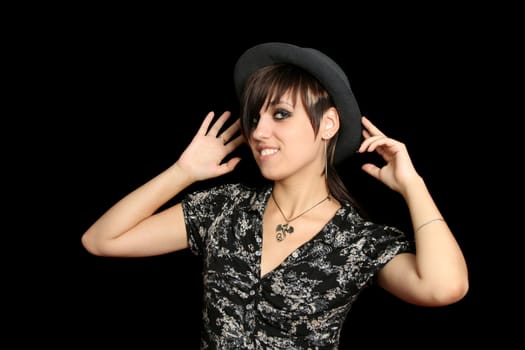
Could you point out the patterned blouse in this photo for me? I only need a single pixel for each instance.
(302, 303)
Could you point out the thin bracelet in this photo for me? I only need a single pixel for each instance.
(426, 223)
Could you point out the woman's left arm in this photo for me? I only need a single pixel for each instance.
(437, 274)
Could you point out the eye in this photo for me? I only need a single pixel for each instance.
(281, 114)
(254, 121)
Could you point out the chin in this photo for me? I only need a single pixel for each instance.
(272, 175)
(269, 174)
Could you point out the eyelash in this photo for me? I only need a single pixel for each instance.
(284, 114)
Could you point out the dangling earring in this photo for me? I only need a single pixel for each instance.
(325, 160)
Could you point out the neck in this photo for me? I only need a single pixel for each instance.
(294, 199)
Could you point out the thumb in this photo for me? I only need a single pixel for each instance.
(371, 169)
(230, 165)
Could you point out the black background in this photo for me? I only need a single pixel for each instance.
(125, 91)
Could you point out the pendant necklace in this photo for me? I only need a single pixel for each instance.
(281, 230)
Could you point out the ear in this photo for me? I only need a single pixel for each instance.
(330, 123)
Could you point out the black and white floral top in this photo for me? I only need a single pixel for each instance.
(302, 303)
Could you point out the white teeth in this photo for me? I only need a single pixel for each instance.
(267, 152)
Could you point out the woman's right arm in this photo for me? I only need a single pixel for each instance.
(133, 227)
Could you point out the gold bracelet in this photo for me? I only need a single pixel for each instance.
(426, 223)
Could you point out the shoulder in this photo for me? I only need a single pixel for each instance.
(363, 229)
(230, 194)
(225, 191)
(225, 200)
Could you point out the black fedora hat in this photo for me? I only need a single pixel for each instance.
(329, 74)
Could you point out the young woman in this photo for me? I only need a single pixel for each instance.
(284, 263)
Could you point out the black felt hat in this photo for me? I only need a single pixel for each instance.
(329, 74)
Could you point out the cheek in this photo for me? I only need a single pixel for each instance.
(252, 145)
(301, 143)
(303, 134)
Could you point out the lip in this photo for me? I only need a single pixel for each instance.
(266, 151)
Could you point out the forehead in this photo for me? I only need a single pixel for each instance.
(287, 98)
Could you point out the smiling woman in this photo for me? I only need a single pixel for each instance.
(284, 262)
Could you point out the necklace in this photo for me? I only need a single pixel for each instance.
(281, 230)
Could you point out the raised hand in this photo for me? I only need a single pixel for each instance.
(398, 171)
(203, 158)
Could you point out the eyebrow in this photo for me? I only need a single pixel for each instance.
(280, 102)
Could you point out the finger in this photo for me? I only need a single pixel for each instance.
(372, 170)
(206, 123)
(379, 142)
(232, 163)
(229, 165)
(234, 143)
(216, 127)
(372, 129)
(371, 143)
(230, 131)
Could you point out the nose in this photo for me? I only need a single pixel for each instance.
(263, 128)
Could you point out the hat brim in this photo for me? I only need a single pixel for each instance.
(329, 74)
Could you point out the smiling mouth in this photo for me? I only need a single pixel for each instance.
(268, 151)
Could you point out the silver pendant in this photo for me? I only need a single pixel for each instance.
(282, 230)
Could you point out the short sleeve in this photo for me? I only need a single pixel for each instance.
(382, 244)
(211, 216)
(201, 208)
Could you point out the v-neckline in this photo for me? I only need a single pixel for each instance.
(296, 251)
